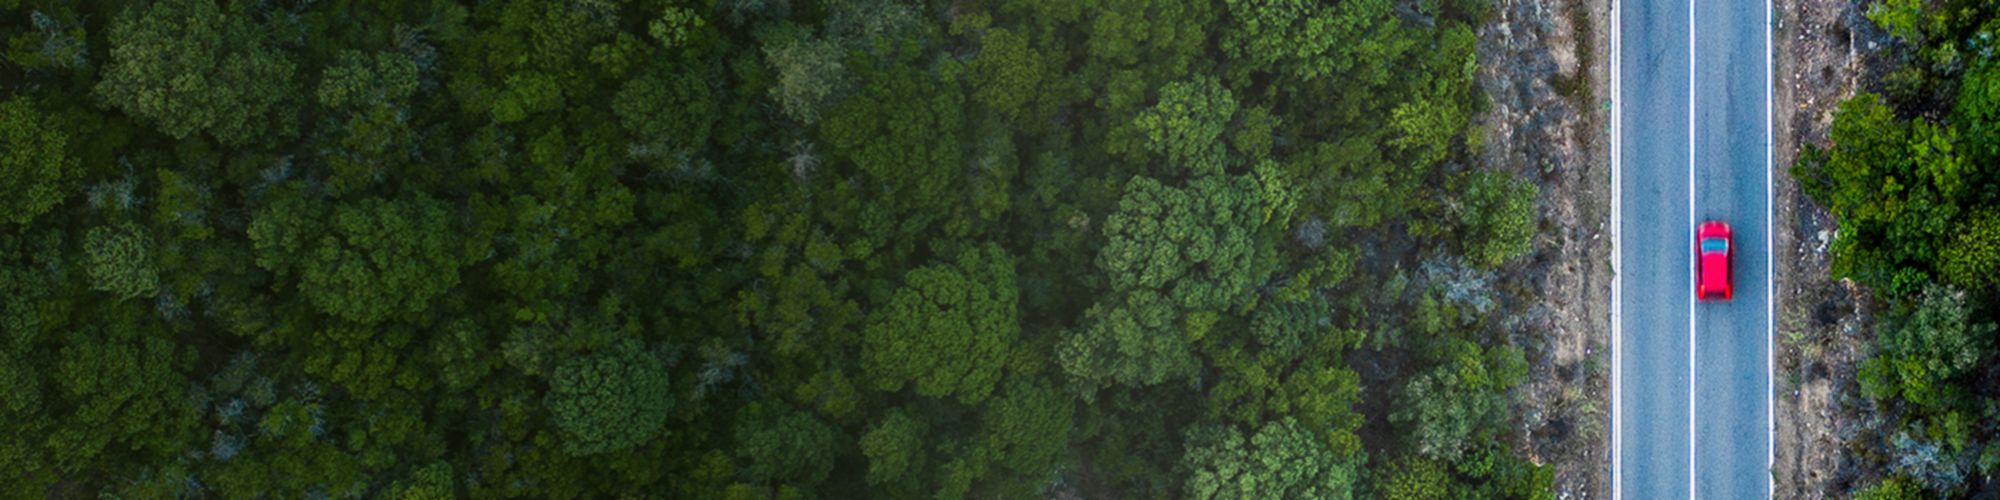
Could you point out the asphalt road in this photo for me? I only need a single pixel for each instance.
(1692, 381)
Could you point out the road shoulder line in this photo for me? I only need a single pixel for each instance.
(1616, 21)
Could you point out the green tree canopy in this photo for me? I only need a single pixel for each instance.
(284, 230)
(904, 130)
(672, 105)
(431, 482)
(383, 258)
(1135, 45)
(123, 394)
(1284, 366)
(808, 71)
(1186, 127)
(782, 444)
(361, 79)
(1194, 245)
(757, 249)
(1460, 401)
(193, 66)
(1414, 478)
(1977, 112)
(1015, 79)
(1282, 460)
(1175, 257)
(1891, 185)
(1496, 217)
(1308, 40)
(895, 448)
(1027, 429)
(948, 328)
(36, 167)
(119, 262)
(610, 400)
(1890, 488)
(1939, 341)
(1972, 259)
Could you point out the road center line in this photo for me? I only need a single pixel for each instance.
(1691, 257)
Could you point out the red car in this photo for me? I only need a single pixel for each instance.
(1712, 249)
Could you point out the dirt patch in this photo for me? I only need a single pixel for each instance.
(1824, 49)
(1543, 68)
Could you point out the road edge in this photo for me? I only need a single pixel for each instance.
(1616, 23)
(1770, 261)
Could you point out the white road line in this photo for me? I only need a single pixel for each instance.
(1770, 270)
(1617, 163)
(1690, 249)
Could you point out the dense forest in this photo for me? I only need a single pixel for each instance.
(1911, 177)
(840, 249)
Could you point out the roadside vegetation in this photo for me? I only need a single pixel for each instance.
(841, 249)
(1910, 177)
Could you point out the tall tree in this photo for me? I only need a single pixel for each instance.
(904, 131)
(1282, 460)
(1306, 40)
(119, 262)
(1920, 355)
(384, 258)
(195, 67)
(1496, 217)
(1972, 259)
(1460, 401)
(123, 397)
(1015, 79)
(610, 400)
(895, 448)
(1886, 180)
(780, 444)
(671, 105)
(1025, 430)
(948, 328)
(36, 167)
(809, 70)
(1175, 258)
(1185, 129)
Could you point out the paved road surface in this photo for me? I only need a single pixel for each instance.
(1691, 410)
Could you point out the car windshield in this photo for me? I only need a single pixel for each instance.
(1714, 245)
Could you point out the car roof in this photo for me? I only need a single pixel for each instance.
(1714, 269)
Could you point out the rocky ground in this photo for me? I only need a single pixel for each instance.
(1544, 68)
(1824, 326)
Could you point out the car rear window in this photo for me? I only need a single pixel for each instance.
(1713, 245)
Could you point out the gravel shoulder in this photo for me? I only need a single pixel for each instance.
(1544, 67)
(1824, 49)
